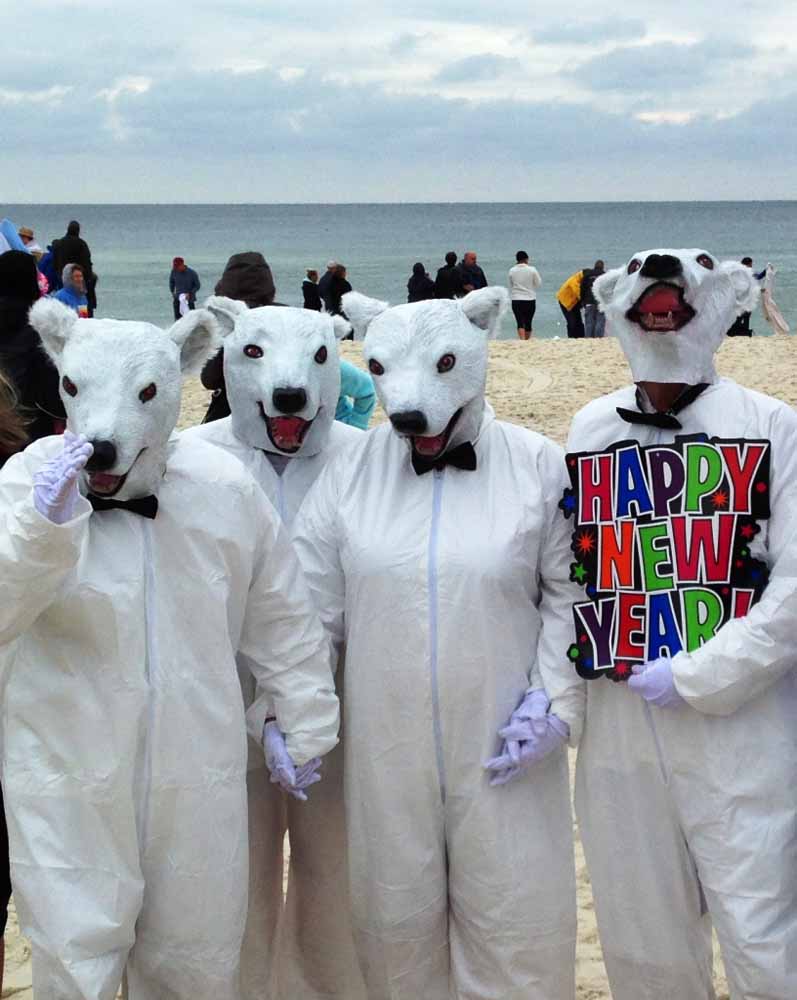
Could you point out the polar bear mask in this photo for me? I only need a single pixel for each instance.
(121, 386)
(671, 310)
(429, 362)
(282, 374)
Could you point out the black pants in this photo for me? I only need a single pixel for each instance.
(575, 324)
(5, 869)
(741, 327)
(176, 306)
(524, 313)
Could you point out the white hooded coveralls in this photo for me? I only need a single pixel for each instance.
(689, 809)
(125, 745)
(448, 589)
(303, 951)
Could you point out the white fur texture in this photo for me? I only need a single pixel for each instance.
(408, 341)
(685, 355)
(110, 362)
(289, 339)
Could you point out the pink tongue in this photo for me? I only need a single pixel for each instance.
(103, 482)
(287, 431)
(662, 300)
(429, 446)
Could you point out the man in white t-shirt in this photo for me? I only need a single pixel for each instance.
(524, 280)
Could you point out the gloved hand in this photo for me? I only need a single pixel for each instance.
(281, 767)
(528, 721)
(654, 681)
(531, 734)
(55, 485)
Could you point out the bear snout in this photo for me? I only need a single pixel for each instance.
(409, 422)
(289, 399)
(103, 457)
(660, 266)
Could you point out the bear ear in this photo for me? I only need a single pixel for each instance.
(341, 327)
(226, 312)
(197, 336)
(745, 286)
(361, 311)
(604, 286)
(54, 322)
(485, 307)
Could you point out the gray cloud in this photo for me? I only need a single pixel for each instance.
(586, 32)
(481, 67)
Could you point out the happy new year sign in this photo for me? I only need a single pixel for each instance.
(661, 539)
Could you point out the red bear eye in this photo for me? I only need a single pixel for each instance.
(375, 368)
(705, 261)
(634, 265)
(446, 363)
(321, 355)
(149, 393)
(69, 386)
(253, 351)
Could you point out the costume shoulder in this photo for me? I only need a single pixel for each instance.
(218, 433)
(206, 465)
(525, 439)
(353, 461)
(342, 436)
(768, 406)
(590, 422)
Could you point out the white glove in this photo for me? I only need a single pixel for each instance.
(55, 485)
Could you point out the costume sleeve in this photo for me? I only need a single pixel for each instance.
(750, 654)
(359, 387)
(36, 556)
(565, 689)
(285, 646)
(171, 282)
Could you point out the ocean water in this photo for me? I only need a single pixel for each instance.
(133, 245)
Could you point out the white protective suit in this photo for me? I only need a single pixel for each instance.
(447, 589)
(305, 950)
(125, 746)
(689, 814)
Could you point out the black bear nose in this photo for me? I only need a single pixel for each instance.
(409, 422)
(661, 265)
(289, 400)
(103, 457)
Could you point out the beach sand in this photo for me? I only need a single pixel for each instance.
(539, 384)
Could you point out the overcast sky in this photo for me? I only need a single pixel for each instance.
(426, 100)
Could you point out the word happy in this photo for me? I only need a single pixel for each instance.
(662, 539)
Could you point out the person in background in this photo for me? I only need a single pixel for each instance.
(325, 283)
(312, 298)
(246, 278)
(594, 320)
(73, 290)
(473, 277)
(524, 280)
(47, 268)
(28, 237)
(73, 249)
(31, 373)
(448, 282)
(420, 286)
(338, 287)
(569, 299)
(357, 396)
(183, 281)
(741, 325)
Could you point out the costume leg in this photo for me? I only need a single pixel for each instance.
(512, 887)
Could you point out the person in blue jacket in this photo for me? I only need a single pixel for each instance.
(357, 396)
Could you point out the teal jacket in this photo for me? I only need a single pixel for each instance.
(357, 397)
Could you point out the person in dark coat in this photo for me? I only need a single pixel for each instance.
(183, 280)
(22, 358)
(72, 249)
(312, 296)
(326, 282)
(448, 282)
(246, 278)
(338, 287)
(420, 286)
(473, 277)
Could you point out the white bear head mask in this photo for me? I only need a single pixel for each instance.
(671, 310)
(282, 374)
(429, 363)
(121, 384)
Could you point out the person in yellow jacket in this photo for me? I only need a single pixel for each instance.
(569, 299)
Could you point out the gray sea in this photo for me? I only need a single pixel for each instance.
(133, 245)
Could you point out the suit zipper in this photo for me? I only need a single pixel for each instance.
(437, 492)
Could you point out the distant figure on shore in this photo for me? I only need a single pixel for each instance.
(741, 325)
(594, 320)
(338, 286)
(28, 237)
(524, 280)
(73, 249)
(183, 280)
(448, 283)
(473, 277)
(325, 283)
(73, 290)
(312, 297)
(246, 278)
(420, 286)
(569, 299)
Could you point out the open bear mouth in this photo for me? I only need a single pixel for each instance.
(433, 446)
(104, 484)
(286, 432)
(661, 308)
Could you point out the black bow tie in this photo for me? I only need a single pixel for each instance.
(666, 420)
(145, 506)
(461, 457)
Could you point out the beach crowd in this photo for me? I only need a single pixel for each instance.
(382, 642)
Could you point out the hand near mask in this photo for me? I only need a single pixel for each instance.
(531, 734)
(283, 771)
(654, 682)
(55, 485)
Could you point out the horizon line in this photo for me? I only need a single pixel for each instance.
(359, 204)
